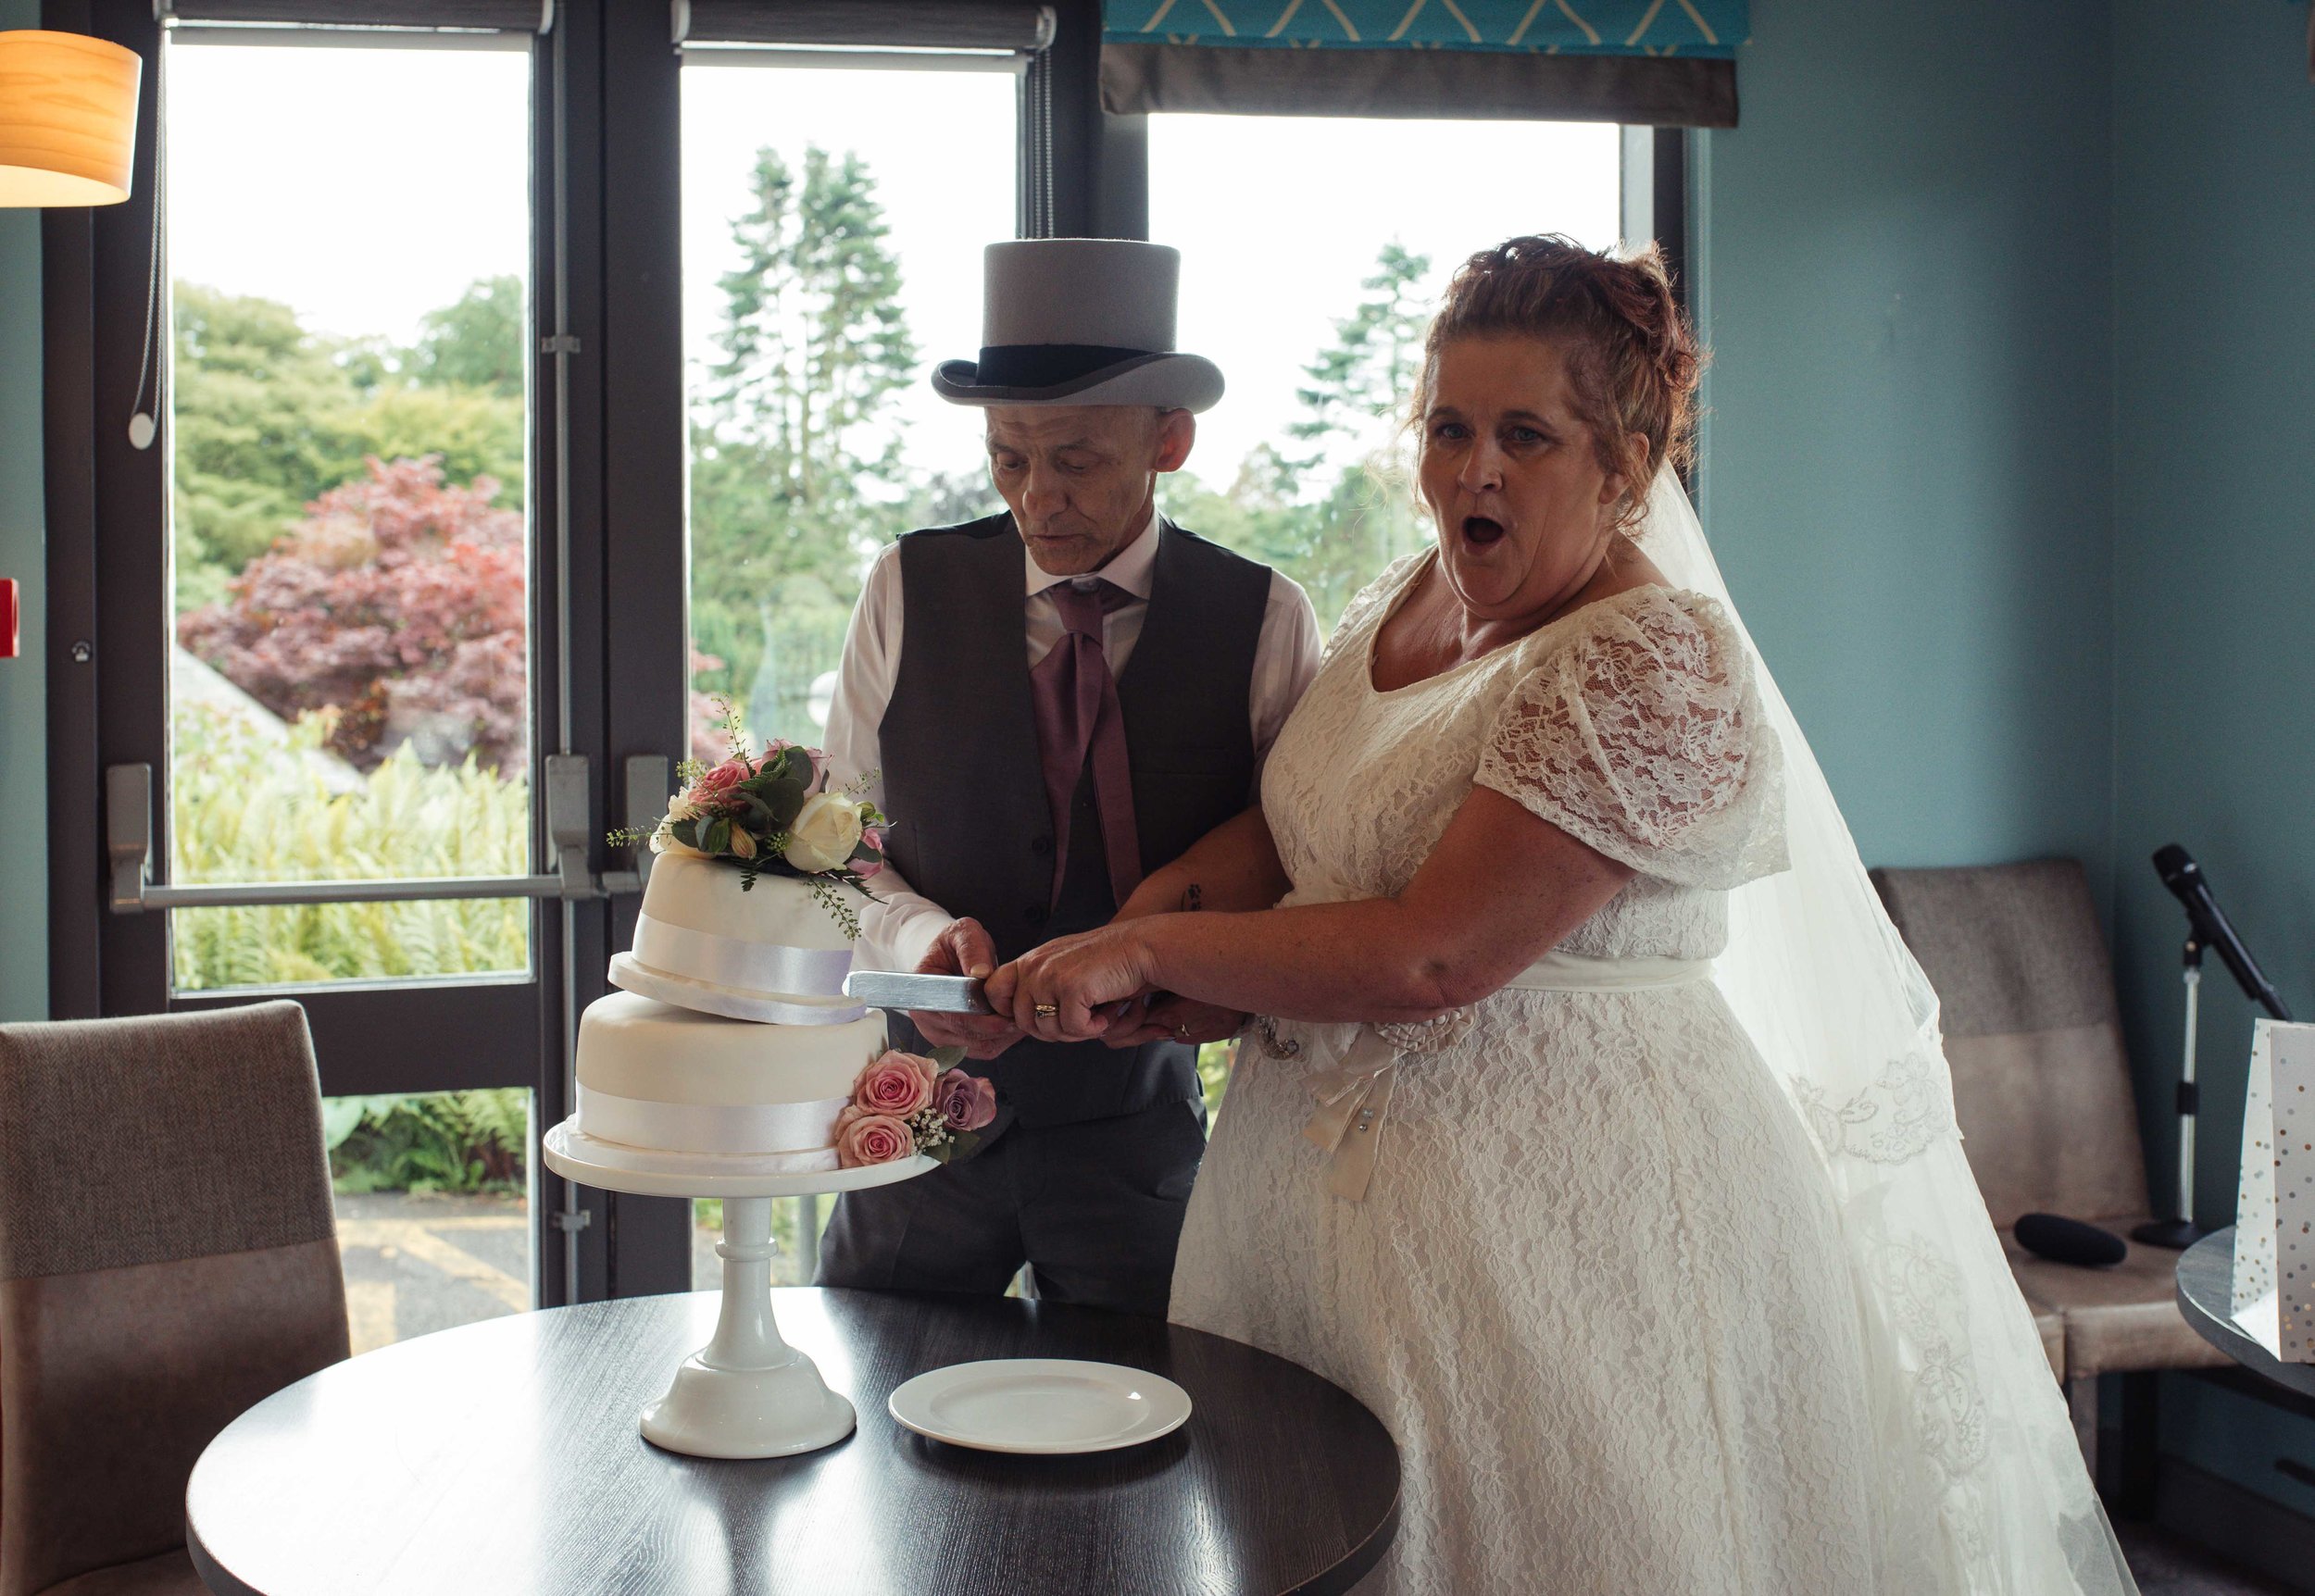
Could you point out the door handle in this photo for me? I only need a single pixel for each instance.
(129, 845)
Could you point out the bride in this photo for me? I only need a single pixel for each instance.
(1598, 1135)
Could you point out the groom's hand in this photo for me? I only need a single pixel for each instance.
(1183, 1019)
(963, 949)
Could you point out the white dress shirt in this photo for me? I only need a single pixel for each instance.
(896, 931)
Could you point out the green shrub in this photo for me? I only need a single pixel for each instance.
(245, 807)
(439, 1141)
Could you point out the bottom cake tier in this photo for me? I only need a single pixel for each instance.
(657, 1077)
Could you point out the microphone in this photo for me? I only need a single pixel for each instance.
(2064, 1240)
(2184, 877)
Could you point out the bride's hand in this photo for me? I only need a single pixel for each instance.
(1052, 992)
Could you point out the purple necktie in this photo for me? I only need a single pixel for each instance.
(1076, 700)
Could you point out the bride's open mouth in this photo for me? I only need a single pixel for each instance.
(1481, 531)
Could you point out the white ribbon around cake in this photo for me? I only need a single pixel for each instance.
(740, 979)
(784, 1138)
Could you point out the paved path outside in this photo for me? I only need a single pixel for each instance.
(415, 1263)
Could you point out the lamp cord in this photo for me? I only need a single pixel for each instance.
(144, 427)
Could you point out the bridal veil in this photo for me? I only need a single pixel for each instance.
(1967, 1412)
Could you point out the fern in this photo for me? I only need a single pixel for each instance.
(244, 808)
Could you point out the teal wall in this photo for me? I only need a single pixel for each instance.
(23, 714)
(2214, 559)
(1904, 277)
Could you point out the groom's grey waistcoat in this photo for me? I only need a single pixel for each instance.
(963, 779)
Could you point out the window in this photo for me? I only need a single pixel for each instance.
(349, 682)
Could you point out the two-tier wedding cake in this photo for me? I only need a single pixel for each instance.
(721, 1074)
(732, 1040)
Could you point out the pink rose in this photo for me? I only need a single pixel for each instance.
(873, 838)
(816, 763)
(899, 1084)
(967, 1102)
(711, 792)
(864, 1138)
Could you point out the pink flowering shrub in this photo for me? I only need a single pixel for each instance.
(399, 604)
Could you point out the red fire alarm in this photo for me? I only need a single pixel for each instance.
(8, 617)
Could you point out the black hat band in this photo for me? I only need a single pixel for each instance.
(1045, 364)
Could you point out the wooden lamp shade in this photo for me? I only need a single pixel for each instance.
(67, 118)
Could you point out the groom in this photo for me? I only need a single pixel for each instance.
(1060, 699)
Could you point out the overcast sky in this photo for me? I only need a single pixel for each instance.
(365, 187)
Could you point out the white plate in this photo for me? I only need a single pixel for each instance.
(1039, 1406)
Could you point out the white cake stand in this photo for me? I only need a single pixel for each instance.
(746, 1393)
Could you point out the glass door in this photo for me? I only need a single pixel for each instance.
(325, 701)
(350, 683)
(834, 213)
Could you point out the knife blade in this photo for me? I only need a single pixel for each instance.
(933, 994)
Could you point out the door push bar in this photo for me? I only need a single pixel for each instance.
(129, 841)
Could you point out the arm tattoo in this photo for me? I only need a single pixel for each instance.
(1193, 898)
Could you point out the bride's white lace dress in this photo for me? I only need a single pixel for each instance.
(1596, 1288)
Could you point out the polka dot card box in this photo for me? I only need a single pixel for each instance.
(2291, 1056)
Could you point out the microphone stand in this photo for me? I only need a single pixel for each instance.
(2206, 926)
(2182, 1232)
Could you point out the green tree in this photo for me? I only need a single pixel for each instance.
(269, 416)
(1369, 374)
(1334, 513)
(796, 473)
(476, 433)
(477, 343)
(264, 424)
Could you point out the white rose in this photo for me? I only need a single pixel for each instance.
(826, 830)
(683, 808)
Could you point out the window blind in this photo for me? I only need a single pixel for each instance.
(477, 16)
(1656, 62)
(867, 24)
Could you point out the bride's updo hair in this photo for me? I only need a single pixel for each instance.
(1631, 357)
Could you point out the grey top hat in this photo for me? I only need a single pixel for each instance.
(1080, 321)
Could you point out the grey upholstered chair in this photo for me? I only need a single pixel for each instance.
(167, 1258)
(2041, 1087)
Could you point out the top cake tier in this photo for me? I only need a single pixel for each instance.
(708, 941)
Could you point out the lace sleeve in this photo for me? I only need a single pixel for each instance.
(1642, 737)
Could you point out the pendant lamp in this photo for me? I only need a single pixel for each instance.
(67, 118)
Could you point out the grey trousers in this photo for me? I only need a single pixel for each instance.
(1094, 1208)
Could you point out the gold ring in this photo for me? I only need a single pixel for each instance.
(1048, 1010)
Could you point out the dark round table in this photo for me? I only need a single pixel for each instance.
(2206, 1296)
(504, 1457)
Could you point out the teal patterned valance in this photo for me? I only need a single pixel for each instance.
(1705, 28)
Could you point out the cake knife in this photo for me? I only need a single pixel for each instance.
(931, 994)
(947, 994)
